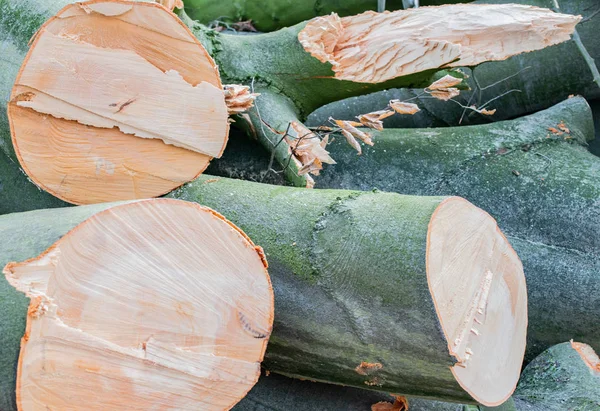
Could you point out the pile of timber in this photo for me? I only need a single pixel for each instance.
(423, 274)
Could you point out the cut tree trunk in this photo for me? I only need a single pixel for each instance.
(542, 78)
(94, 105)
(543, 192)
(281, 62)
(146, 305)
(565, 377)
(418, 295)
(542, 186)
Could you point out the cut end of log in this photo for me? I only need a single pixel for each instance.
(478, 287)
(159, 303)
(116, 100)
(588, 355)
(375, 47)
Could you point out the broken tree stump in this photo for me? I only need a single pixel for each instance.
(144, 305)
(519, 85)
(429, 316)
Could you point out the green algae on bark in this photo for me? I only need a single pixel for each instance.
(329, 319)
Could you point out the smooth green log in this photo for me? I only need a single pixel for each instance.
(348, 271)
(555, 73)
(558, 380)
(542, 188)
(269, 15)
(275, 60)
(279, 393)
(543, 191)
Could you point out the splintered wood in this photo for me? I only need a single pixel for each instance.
(478, 287)
(375, 47)
(156, 304)
(116, 100)
(588, 355)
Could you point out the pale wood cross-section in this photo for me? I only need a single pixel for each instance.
(478, 287)
(154, 304)
(116, 100)
(375, 47)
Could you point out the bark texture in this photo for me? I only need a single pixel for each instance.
(555, 73)
(542, 190)
(559, 379)
(275, 14)
(329, 318)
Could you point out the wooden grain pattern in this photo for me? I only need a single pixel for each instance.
(157, 304)
(129, 70)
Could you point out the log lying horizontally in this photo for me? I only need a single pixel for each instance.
(543, 192)
(538, 80)
(116, 101)
(274, 14)
(145, 305)
(564, 377)
(401, 294)
(279, 62)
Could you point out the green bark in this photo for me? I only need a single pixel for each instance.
(542, 189)
(373, 304)
(549, 210)
(279, 393)
(558, 380)
(274, 61)
(555, 73)
(271, 15)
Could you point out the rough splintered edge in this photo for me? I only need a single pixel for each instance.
(588, 355)
(40, 304)
(320, 36)
(104, 7)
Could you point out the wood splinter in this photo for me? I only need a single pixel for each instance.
(155, 304)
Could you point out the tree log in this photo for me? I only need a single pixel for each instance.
(288, 63)
(543, 78)
(347, 312)
(146, 305)
(541, 186)
(553, 224)
(275, 14)
(564, 377)
(278, 393)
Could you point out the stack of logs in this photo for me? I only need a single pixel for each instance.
(377, 283)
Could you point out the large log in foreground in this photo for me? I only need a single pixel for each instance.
(147, 305)
(543, 192)
(538, 181)
(431, 315)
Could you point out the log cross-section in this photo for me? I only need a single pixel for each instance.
(116, 100)
(156, 304)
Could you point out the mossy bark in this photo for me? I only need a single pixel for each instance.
(279, 393)
(557, 380)
(554, 73)
(274, 14)
(372, 305)
(542, 188)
